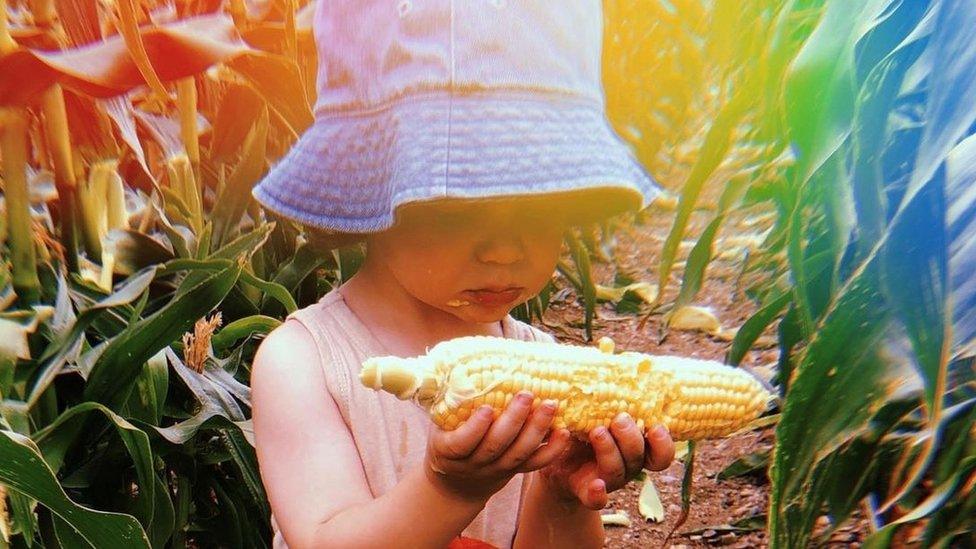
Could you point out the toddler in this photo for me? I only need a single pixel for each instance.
(458, 139)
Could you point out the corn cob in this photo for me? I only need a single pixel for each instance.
(694, 399)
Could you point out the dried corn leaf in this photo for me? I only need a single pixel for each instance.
(646, 291)
(666, 202)
(649, 502)
(279, 81)
(90, 126)
(616, 518)
(234, 197)
(128, 26)
(106, 69)
(239, 107)
(694, 318)
(16, 326)
(119, 109)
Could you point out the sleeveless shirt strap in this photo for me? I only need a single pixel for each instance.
(315, 320)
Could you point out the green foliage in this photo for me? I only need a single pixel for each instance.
(110, 436)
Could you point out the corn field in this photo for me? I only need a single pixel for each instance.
(138, 275)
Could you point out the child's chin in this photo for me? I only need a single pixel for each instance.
(481, 313)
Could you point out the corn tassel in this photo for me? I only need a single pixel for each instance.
(694, 399)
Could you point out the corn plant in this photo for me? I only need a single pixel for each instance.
(873, 220)
(134, 291)
(853, 125)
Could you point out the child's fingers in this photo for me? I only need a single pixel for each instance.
(461, 442)
(528, 440)
(608, 459)
(547, 453)
(630, 441)
(593, 493)
(661, 451)
(504, 430)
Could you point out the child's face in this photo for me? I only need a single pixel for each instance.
(475, 260)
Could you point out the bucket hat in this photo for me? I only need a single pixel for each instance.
(422, 100)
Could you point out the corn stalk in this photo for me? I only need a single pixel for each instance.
(186, 100)
(58, 138)
(13, 147)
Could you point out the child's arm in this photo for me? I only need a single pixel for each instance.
(312, 472)
(314, 477)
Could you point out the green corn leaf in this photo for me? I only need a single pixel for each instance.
(581, 258)
(916, 279)
(183, 431)
(23, 469)
(56, 355)
(55, 440)
(112, 377)
(23, 517)
(245, 461)
(272, 289)
(755, 326)
(942, 493)
(229, 518)
(210, 392)
(754, 463)
(716, 145)
(148, 399)
(840, 366)
(698, 259)
(952, 76)
(820, 88)
(303, 263)
(241, 328)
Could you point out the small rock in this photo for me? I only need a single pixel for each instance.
(746, 510)
(727, 539)
(695, 537)
(709, 533)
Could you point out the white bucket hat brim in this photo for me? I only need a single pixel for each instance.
(350, 171)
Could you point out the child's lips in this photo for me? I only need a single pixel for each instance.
(493, 296)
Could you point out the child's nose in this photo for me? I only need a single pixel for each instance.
(503, 251)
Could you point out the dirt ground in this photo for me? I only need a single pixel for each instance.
(714, 502)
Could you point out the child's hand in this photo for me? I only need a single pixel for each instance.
(478, 458)
(589, 472)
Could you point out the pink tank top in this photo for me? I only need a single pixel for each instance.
(390, 434)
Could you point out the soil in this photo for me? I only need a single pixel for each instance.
(715, 502)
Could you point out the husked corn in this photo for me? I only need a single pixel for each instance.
(695, 399)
